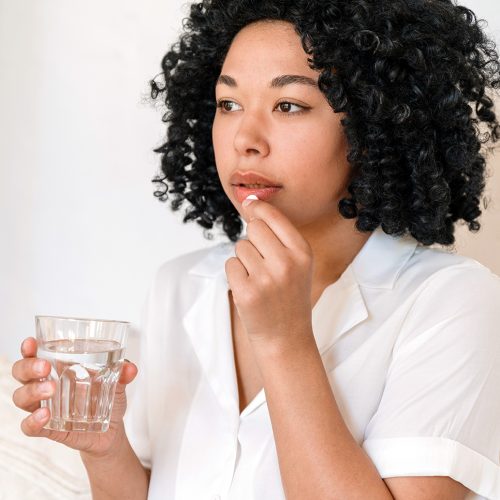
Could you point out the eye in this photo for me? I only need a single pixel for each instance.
(289, 105)
(223, 104)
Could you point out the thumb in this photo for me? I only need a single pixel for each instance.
(128, 373)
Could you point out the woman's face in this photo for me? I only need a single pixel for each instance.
(288, 134)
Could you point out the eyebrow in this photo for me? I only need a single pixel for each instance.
(278, 82)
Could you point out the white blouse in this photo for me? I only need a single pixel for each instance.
(410, 342)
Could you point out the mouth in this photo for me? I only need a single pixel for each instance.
(262, 191)
(251, 179)
(254, 186)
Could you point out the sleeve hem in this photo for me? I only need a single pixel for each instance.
(435, 456)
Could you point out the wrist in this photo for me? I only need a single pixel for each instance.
(297, 341)
(118, 446)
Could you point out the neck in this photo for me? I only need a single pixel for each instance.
(335, 244)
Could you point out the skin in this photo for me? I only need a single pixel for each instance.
(113, 469)
(306, 152)
(29, 395)
(296, 244)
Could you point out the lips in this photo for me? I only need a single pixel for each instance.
(264, 193)
(252, 180)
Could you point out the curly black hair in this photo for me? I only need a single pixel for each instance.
(411, 77)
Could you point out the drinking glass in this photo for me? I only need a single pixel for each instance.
(86, 357)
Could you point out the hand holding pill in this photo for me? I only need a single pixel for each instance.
(271, 276)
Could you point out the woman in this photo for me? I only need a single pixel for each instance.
(331, 352)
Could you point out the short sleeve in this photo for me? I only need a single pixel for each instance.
(439, 414)
(136, 416)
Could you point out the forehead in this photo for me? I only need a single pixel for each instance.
(263, 50)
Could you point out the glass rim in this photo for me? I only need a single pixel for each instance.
(72, 318)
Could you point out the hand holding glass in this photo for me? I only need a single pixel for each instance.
(86, 357)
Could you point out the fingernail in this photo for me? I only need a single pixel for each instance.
(249, 199)
(40, 414)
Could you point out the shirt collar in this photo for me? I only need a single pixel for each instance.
(377, 265)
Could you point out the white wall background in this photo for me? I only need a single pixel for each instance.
(82, 233)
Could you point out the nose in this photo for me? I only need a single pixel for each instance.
(251, 137)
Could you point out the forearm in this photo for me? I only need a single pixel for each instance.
(120, 475)
(318, 457)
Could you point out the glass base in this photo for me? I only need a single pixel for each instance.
(78, 426)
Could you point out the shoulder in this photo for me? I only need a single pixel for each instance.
(453, 297)
(203, 261)
(438, 271)
(182, 263)
(170, 289)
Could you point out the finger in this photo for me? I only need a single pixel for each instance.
(28, 396)
(33, 424)
(236, 274)
(277, 221)
(249, 256)
(25, 370)
(265, 241)
(129, 372)
(29, 347)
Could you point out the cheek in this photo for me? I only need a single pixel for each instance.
(220, 134)
(220, 146)
(316, 157)
(331, 154)
(216, 137)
